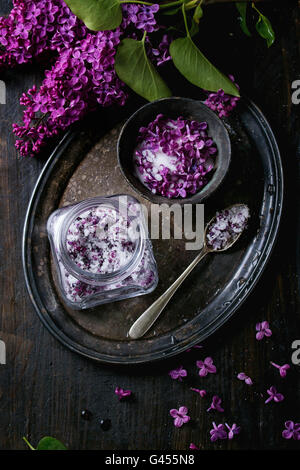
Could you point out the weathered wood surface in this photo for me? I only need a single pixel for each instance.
(43, 386)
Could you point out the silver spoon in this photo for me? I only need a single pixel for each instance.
(146, 320)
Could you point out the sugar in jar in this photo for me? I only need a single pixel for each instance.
(102, 251)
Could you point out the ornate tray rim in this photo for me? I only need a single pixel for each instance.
(174, 349)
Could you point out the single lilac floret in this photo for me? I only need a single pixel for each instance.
(180, 416)
(178, 374)
(233, 430)
(292, 430)
(274, 395)
(202, 393)
(206, 367)
(122, 393)
(282, 369)
(216, 404)
(243, 376)
(218, 432)
(263, 330)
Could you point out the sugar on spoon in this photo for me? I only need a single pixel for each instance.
(221, 232)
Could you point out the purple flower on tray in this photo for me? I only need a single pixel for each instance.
(206, 367)
(180, 416)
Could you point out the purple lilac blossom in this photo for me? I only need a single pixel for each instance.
(122, 393)
(226, 226)
(174, 157)
(262, 330)
(34, 27)
(233, 430)
(243, 376)
(217, 432)
(216, 404)
(282, 369)
(206, 367)
(292, 430)
(159, 55)
(140, 16)
(82, 75)
(180, 416)
(222, 103)
(81, 78)
(193, 446)
(178, 374)
(202, 393)
(274, 395)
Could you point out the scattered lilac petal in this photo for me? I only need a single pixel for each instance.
(216, 404)
(263, 330)
(243, 376)
(292, 430)
(206, 367)
(202, 393)
(122, 393)
(218, 432)
(178, 374)
(282, 369)
(233, 430)
(193, 447)
(274, 395)
(180, 416)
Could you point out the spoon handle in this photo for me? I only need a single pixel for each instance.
(146, 320)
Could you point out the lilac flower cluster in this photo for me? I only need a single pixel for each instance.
(159, 55)
(222, 103)
(82, 77)
(140, 16)
(173, 157)
(34, 27)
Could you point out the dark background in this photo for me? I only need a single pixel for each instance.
(44, 387)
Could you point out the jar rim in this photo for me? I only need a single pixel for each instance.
(111, 202)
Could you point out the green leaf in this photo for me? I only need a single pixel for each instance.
(242, 8)
(97, 15)
(196, 68)
(134, 68)
(50, 443)
(198, 13)
(265, 29)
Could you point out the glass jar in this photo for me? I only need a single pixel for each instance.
(102, 251)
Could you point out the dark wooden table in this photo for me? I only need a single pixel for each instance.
(44, 387)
